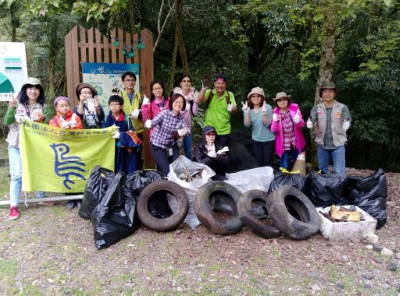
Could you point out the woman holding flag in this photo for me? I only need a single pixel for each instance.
(31, 107)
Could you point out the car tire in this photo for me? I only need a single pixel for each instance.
(293, 213)
(160, 189)
(230, 222)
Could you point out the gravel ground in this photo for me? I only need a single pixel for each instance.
(50, 251)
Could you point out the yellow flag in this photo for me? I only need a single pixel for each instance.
(61, 160)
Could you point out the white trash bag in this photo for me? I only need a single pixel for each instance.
(185, 173)
(258, 178)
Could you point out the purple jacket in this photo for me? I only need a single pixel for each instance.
(276, 127)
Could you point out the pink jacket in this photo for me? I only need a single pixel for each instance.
(276, 127)
(149, 111)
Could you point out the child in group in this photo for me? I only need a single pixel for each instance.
(258, 115)
(65, 118)
(287, 122)
(31, 107)
(212, 153)
(127, 142)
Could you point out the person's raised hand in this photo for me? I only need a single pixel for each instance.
(264, 107)
(245, 108)
(310, 124)
(296, 117)
(146, 100)
(147, 124)
(346, 125)
(275, 117)
(223, 150)
(229, 107)
(135, 114)
(182, 132)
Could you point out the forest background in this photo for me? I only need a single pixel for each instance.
(281, 45)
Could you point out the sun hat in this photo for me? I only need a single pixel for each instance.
(56, 100)
(281, 95)
(83, 85)
(32, 81)
(327, 85)
(256, 91)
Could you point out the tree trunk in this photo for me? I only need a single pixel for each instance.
(14, 21)
(51, 61)
(131, 12)
(178, 43)
(325, 72)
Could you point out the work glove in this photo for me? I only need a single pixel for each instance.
(264, 107)
(22, 118)
(346, 125)
(223, 150)
(275, 117)
(229, 108)
(147, 124)
(245, 108)
(146, 100)
(310, 124)
(182, 132)
(64, 124)
(187, 108)
(296, 118)
(116, 134)
(135, 114)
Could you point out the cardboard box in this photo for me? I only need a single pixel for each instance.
(345, 230)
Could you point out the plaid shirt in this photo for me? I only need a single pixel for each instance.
(165, 126)
(288, 131)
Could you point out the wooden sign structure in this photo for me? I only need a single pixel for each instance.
(90, 46)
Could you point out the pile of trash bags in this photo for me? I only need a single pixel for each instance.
(109, 201)
(116, 204)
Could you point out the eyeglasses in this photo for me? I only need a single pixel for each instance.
(129, 80)
(281, 100)
(186, 81)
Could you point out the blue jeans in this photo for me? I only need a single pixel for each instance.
(14, 158)
(338, 156)
(284, 163)
(187, 146)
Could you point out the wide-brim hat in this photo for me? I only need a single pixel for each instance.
(281, 95)
(83, 85)
(327, 85)
(34, 82)
(256, 91)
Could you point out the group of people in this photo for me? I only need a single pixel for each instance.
(169, 119)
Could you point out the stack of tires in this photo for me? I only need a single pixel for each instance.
(222, 209)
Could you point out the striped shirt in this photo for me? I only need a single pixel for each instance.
(165, 126)
(288, 131)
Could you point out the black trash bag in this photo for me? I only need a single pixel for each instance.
(370, 195)
(97, 185)
(223, 202)
(327, 189)
(115, 217)
(140, 179)
(297, 181)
